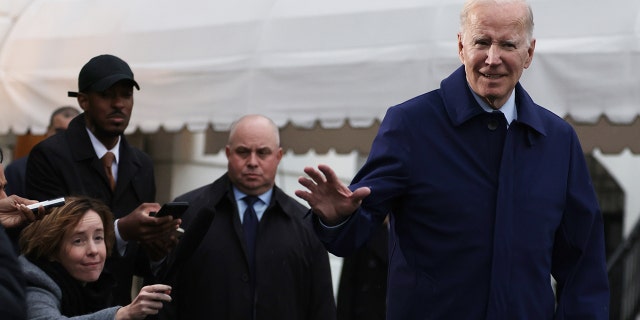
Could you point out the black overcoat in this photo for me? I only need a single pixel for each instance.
(210, 275)
(66, 164)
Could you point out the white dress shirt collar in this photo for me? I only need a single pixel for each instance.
(509, 109)
(100, 149)
(259, 206)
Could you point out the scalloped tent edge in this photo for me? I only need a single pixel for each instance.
(325, 71)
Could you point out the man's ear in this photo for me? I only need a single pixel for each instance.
(532, 48)
(83, 101)
(460, 47)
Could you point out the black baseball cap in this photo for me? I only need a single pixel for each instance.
(101, 72)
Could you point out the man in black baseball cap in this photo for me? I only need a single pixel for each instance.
(75, 163)
(102, 72)
(105, 93)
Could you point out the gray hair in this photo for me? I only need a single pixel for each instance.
(470, 4)
(65, 111)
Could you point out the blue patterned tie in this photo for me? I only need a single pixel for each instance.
(250, 225)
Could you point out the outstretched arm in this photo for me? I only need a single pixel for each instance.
(148, 302)
(330, 199)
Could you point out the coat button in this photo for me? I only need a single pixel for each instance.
(493, 124)
(245, 277)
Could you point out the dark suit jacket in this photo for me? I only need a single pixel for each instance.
(211, 278)
(12, 306)
(15, 174)
(66, 164)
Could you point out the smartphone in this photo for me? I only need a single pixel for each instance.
(175, 209)
(48, 204)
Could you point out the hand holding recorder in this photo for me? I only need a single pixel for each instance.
(15, 211)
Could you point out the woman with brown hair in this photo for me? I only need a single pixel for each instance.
(63, 258)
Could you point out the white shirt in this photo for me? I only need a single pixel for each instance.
(100, 150)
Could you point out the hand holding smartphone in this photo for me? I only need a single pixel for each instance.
(175, 209)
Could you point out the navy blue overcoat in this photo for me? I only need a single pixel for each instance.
(481, 217)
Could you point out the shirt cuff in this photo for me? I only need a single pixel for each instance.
(337, 226)
(120, 243)
(329, 233)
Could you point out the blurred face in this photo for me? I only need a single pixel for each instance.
(494, 49)
(253, 155)
(107, 113)
(83, 250)
(59, 123)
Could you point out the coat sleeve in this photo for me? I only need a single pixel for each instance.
(386, 174)
(11, 282)
(43, 305)
(43, 298)
(323, 306)
(579, 263)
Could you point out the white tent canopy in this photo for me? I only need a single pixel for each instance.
(203, 63)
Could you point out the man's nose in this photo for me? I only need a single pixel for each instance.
(493, 55)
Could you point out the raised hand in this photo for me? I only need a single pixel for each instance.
(328, 197)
